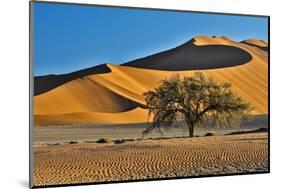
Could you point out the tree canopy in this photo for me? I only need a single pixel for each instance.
(198, 100)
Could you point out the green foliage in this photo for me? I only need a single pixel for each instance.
(199, 100)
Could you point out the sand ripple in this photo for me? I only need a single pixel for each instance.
(79, 163)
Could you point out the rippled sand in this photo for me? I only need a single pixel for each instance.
(148, 159)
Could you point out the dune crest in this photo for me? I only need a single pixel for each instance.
(117, 96)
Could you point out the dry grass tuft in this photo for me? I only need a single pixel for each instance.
(210, 134)
(104, 140)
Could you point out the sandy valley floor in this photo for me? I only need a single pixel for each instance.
(92, 162)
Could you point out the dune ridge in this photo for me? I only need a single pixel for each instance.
(117, 96)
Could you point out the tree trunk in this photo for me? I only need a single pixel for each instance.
(190, 125)
(191, 130)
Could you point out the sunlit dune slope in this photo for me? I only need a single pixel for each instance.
(113, 97)
(137, 115)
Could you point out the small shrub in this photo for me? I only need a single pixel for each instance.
(260, 130)
(73, 142)
(119, 141)
(210, 134)
(104, 140)
(54, 144)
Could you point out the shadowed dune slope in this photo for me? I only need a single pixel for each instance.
(189, 56)
(114, 97)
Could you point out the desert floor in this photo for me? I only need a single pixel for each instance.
(149, 159)
(66, 133)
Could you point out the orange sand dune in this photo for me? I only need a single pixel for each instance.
(256, 42)
(101, 98)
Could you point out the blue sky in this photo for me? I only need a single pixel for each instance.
(68, 38)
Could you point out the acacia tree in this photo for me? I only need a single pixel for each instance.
(199, 100)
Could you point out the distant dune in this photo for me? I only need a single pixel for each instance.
(257, 43)
(114, 94)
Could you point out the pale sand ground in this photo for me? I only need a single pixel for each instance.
(66, 133)
(148, 159)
